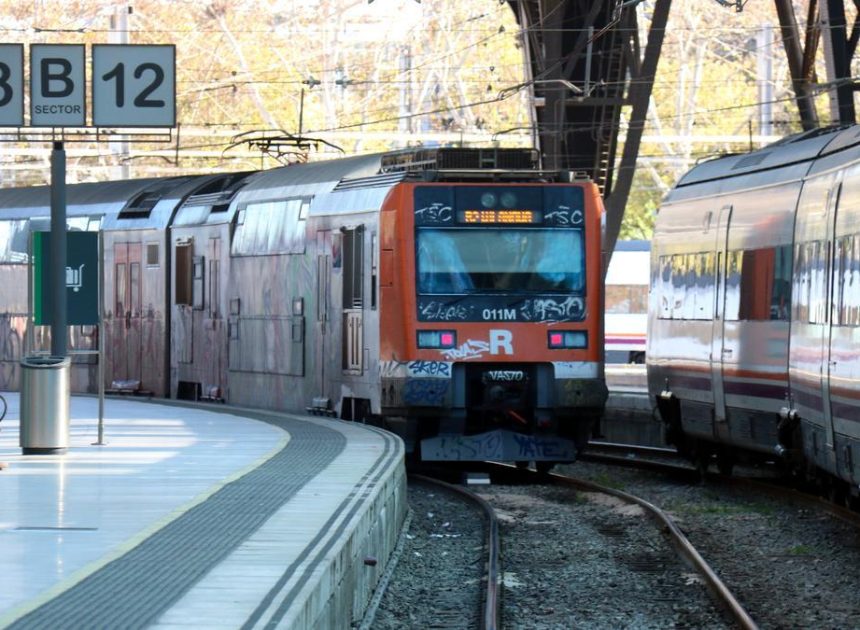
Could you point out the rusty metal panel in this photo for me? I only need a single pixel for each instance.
(199, 343)
(135, 305)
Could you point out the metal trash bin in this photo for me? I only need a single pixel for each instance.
(45, 393)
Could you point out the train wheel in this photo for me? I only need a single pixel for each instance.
(544, 467)
(702, 462)
(725, 463)
(837, 493)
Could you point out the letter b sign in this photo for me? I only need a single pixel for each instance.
(57, 85)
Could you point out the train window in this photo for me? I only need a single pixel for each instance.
(134, 282)
(374, 264)
(685, 286)
(198, 267)
(183, 274)
(756, 284)
(847, 281)
(781, 294)
(800, 288)
(152, 255)
(452, 261)
(682, 307)
(121, 290)
(353, 267)
(270, 227)
(704, 290)
(304, 209)
(665, 287)
(13, 241)
(214, 287)
(763, 289)
(852, 300)
(734, 262)
(818, 305)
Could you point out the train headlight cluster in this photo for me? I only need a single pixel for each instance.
(567, 339)
(437, 339)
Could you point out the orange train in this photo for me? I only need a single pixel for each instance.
(454, 295)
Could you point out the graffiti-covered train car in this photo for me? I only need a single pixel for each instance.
(453, 295)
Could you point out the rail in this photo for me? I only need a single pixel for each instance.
(717, 588)
(490, 614)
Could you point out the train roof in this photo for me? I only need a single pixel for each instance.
(88, 199)
(799, 149)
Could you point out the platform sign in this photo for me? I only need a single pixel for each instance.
(134, 85)
(57, 85)
(11, 85)
(82, 278)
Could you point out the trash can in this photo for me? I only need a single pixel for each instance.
(45, 391)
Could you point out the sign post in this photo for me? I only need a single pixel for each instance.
(132, 86)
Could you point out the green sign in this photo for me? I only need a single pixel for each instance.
(82, 278)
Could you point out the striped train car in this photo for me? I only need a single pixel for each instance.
(754, 311)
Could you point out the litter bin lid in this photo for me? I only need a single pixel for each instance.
(41, 361)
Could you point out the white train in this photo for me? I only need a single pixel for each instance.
(754, 311)
(626, 304)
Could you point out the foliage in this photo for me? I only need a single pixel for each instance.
(707, 93)
(347, 75)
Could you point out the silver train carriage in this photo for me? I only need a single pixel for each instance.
(308, 287)
(754, 309)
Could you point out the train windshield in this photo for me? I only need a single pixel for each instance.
(502, 260)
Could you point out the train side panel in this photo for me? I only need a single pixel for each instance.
(826, 315)
(136, 287)
(302, 295)
(844, 360)
(720, 315)
(199, 257)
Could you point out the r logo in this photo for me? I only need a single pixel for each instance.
(501, 340)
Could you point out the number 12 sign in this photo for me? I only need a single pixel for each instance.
(134, 85)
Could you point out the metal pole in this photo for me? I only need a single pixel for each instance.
(101, 370)
(58, 251)
(29, 338)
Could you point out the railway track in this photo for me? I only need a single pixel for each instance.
(722, 595)
(446, 575)
(572, 560)
(577, 553)
(790, 557)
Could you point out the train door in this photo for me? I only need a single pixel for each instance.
(128, 311)
(216, 342)
(353, 300)
(826, 328)
(323, 299)
(719, 351)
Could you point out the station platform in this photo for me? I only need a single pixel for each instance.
(212, 517)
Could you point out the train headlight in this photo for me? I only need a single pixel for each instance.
(437, 339)
(567, 339)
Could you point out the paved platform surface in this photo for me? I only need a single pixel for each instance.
(189, 517)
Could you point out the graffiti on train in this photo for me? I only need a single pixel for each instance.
(564, 216)
(436, 212)
(497, 445)
(443, 312)
(429, 368)
(425, 392)
(500, 342)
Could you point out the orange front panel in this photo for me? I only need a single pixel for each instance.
(498, 341)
